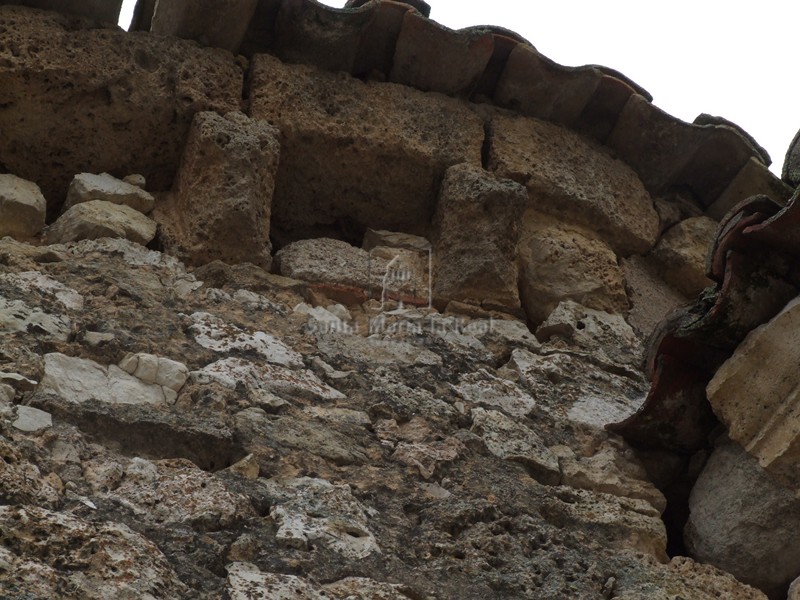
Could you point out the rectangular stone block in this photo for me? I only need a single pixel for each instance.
(355, 154)
(575, 180)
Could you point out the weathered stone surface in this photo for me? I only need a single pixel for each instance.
(794, 590)
(247, 582)
(476, 230)
(681, 254)
(756, 394)
(609, 470)
(230, 372)
(70, 107)
(217, 23)
(22, 207)
(176, 491)
(86, 187)
(31, 419)
(744, 522)
(325, 260)
(100, 219)
(685, 578)
(37, 282)
(327, 182)
(51, 552)
(650, 297)
(384, 409)
(223, 192)
(22, 482)
(156, 370)
(754, 179)
(483, 388)
(216, 334)
(510, 440)
(562, 263)
(314, 511)
(79, 380)
(100, 10)
(601, 192)
(607, 337)
(578, 388)
(17, 316)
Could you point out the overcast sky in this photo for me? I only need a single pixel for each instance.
(733, 59)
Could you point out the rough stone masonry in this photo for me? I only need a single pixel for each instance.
(342, 304)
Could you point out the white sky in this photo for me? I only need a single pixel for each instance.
(734, 59)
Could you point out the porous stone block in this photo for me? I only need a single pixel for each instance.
(476, 230)
(81, 98)
(22, 207)
(357, 154)
(99, 219)
(218, 23)
(559, 262)
(223, 192)
(576, 180)
(87, 186)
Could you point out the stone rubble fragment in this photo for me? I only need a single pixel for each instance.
(181, 493)
(156, 370)
(309, 510)
(509, 440)
(477, 229)
(216, 334)
(682, 252)
(743, 521)
(485, 389)
(31, 419)
(101, 219)
(559, 262)
(606, 337)
(86, 187)
(17, 316)
(22, 207)
(30, 281)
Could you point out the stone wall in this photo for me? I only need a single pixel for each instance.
(410, 399)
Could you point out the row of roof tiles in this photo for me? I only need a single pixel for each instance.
(712, 159)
